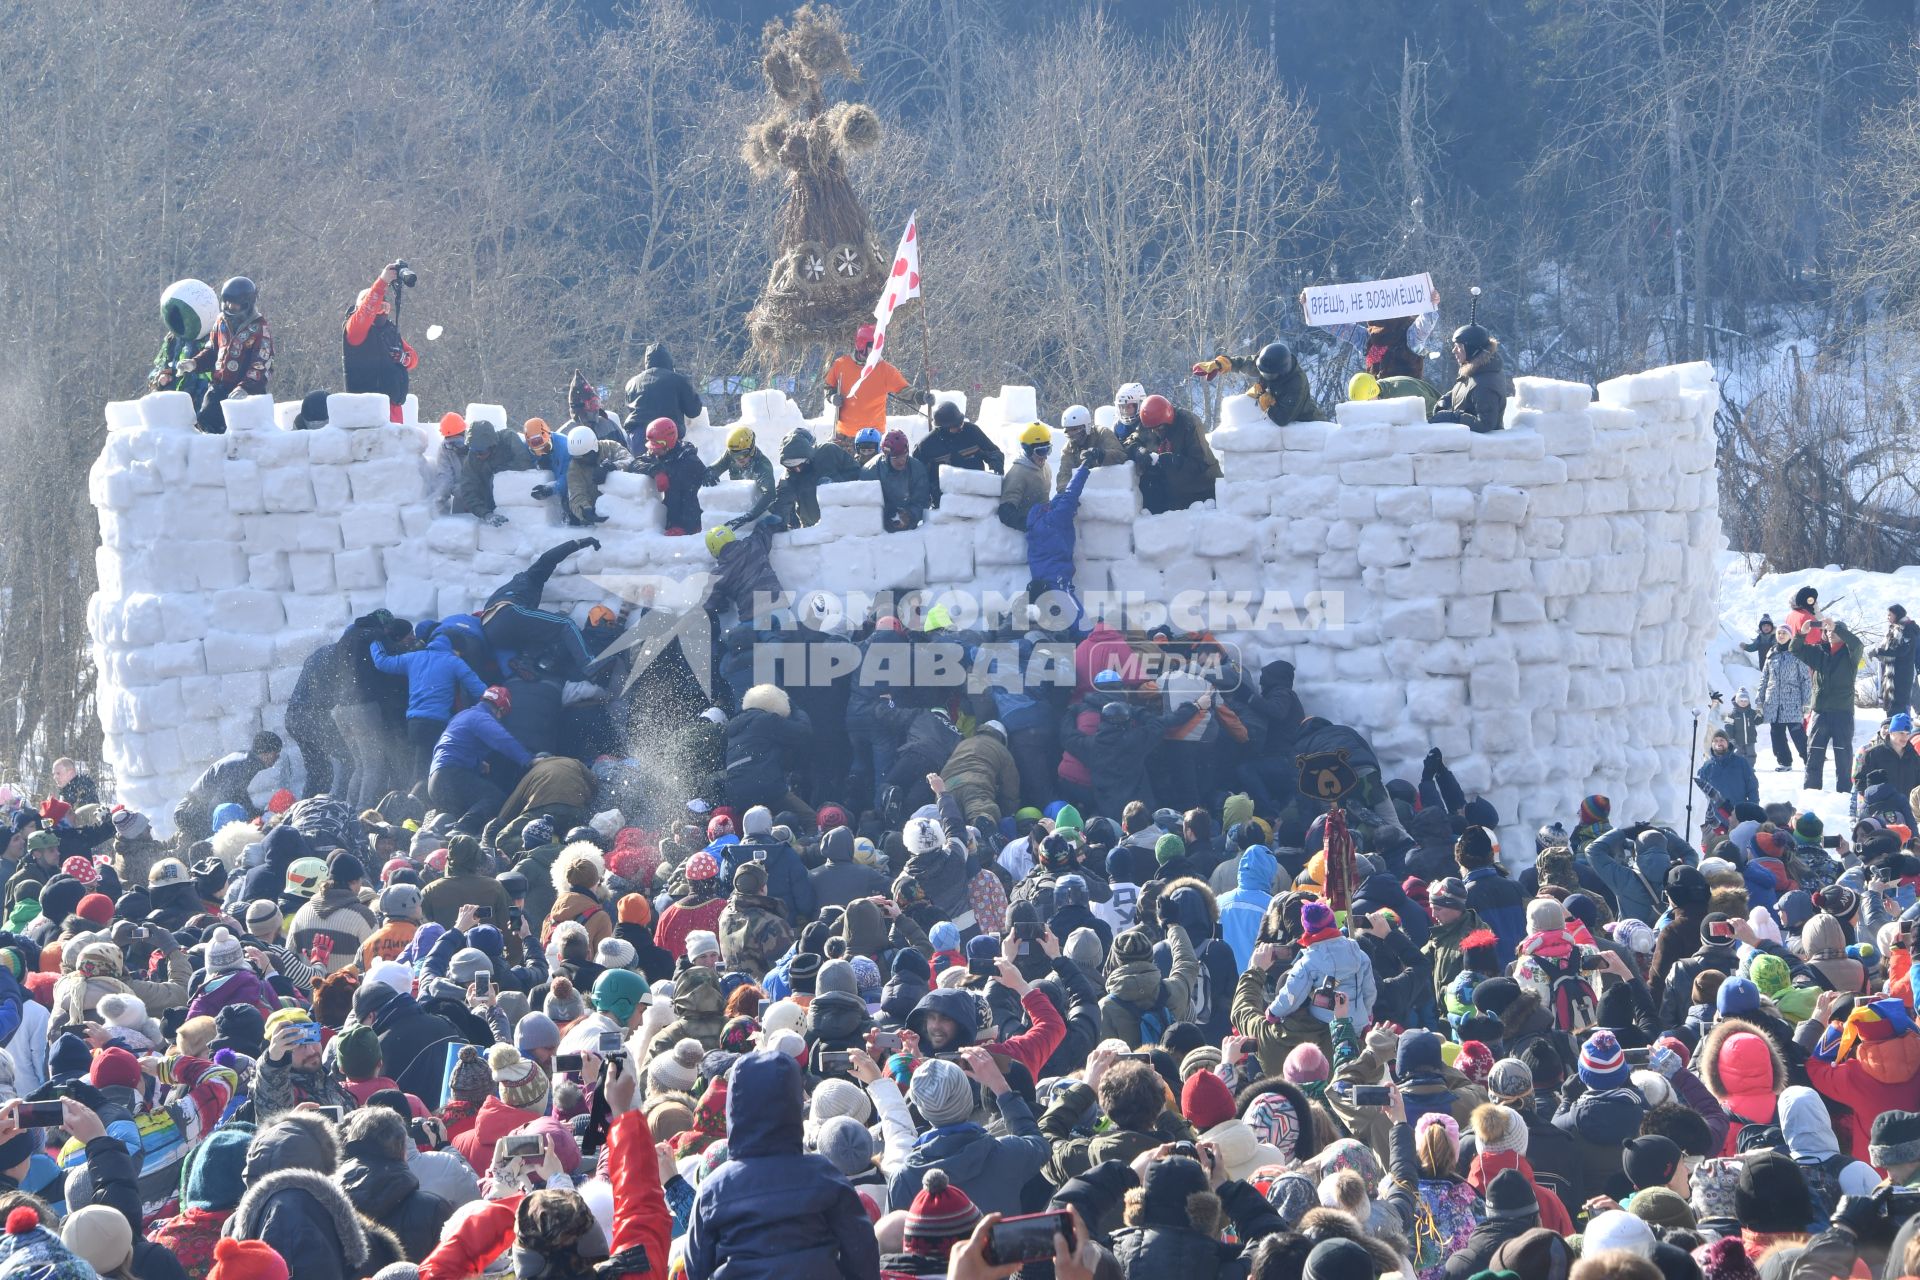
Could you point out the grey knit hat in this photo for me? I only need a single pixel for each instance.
(846, 1143)
(942, 1092)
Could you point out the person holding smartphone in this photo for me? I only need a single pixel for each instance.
(293, 1069)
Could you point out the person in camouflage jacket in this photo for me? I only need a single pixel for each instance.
(754, 932)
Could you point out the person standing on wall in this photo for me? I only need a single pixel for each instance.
(377, 358)
(1832, 652)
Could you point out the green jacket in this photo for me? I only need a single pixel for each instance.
(1833, 670)
(1273, 1041)
(1443, 950)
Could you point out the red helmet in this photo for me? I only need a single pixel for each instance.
(662, 435)
(894, 442)
(497, 695)
(392, 865)
(863, 336)
(1156, 411)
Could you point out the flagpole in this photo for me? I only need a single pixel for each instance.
(926, 330)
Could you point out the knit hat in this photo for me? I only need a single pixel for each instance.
(259, 913)
(1513, 1134)
(701, 866)
(224, 953)
(1595, 809)
(1306, 1064)
(246, 1260)
(82, 869)
(1771, 1194)
(128, 825)
(1206, 1101)
(1663, 1209)
(214, 1176)
(1726, 1259)
(837, 975)
(676, 1069)
(1602, 1064)
(1510, 1195)
(471, 1081)
(1546, 915)
(563, 1003)
(1316, 917)
(521, 1081)
(702, 942)
(1650, 1160)
(1339, 1259)
(1474, 1061)
(1895, 1139)
(535, 1031)
(942, 1093)
(1475, 847)
(846, 1143)
(99, 1236)
(114, 1066)
(1808, 826)
(803, 972)
(940, 1217)
(835, 1098)
(95, 908)
(1132, 946)
(1536, 1254)
(1449, 891)
(1617, 1229)
(1168, 847)
(357, 1050)
(1417, 1053)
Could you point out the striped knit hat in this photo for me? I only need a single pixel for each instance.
(1602, 1064)
(1594, 809)
(940, 1217)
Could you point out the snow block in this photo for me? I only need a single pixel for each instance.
(255, 413)
(358, 411)
(167, 411)
(1398, 411)
(494, 413)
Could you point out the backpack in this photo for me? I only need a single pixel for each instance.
(1563, 989)
(1153, 1022)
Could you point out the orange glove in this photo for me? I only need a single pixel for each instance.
(1207, 368)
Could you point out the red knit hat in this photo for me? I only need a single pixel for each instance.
(246, 1260)
(701, 866)
(97, 907)
(53, 808)
(113, 1066)
(1206, 1101)
(719, 825)
(280, 801)
(940, 1217)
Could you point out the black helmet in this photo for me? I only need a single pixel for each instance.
(1274, 362)
(1474, 338)
(240, 291)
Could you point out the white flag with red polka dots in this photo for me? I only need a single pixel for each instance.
(903, 282)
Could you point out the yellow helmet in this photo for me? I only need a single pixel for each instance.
(1363, 386)
(740, 439)
(717, 537)
(1035, 433)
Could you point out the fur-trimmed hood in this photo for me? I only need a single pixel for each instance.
(294, 1140)
(570, 857)
(1490, 358)
(1724, 1078)
(360, 1238)
(767, 697)
(1174, 906)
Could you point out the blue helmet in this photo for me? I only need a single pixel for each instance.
(867, 436)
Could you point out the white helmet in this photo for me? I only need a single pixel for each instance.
(1075, 416)
(923, 835)
(581, 441)
(186, 301)
(1129, 393)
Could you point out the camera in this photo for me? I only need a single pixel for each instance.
(404, 275)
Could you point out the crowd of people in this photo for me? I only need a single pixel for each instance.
(876, 977)
(886, 979)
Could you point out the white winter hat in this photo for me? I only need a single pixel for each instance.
(702, 942)
(123, 1010)
(839, 1098)
(1617, 1229)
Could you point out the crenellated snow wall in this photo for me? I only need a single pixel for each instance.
(1536, 602)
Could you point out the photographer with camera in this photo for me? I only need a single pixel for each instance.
(377, 358)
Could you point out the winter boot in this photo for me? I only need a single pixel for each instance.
(1816, 768)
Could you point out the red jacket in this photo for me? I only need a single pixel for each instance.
(1103, 648)
(495, 1121)
(1488, 1164)
(642, 1227)
(1036, 1044)
(679, 920)
(1876, 1078)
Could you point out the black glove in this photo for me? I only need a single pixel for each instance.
(592, 542)
(1865, 1216)
(543, 491)
(1432, 765)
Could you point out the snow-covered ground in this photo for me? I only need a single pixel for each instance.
(1857, 597)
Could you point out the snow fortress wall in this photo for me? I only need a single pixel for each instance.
(1536, 602)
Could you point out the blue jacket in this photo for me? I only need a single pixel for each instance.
(770, 1211)
(1006, 669)
(556, 462)
(1634, 877)
(1384, 891)
(1050, 535)
(1502, 908)
(1242, 908)
(434, 674)
(1730, 778)
(787, 878)
(991, 1169)
(473, 733)
(1339, 958)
